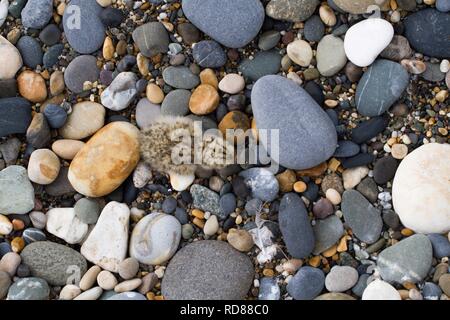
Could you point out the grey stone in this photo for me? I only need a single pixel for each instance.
(15, 8)
(326, 233)
(295, 226)
(180, 77)
(56, 116)
(441, 245)
(151, 38)
(314, 29)
(361, 285)
(307, 134)
(209, 54)
(428, 32)
(364, 220)
(121, 92)
(431, 291)
(262, 183)
(369, 189)
(87, 210)
(263, 63)
(53, 262)
(61, 186)
(176, 103)
(407, 5)
(341, 278)
(37, 13)
(307, 283)
(31, 51)
(227, 204)
(10, 150)
(82, 26)
(50, 35)
(384, 169)
(146, 113)
(433, 73)
(398, 49)
(330, 55)
(380, 86)
(346, 149)
(205, 199)
(291, 10)
(51, 57)
(15, 115)
(210, 270)
(443, 5)
(81, 69)
(128, 296)
(269, 40)
(5, 283)
(17, 194)
(32, 235)
(406, 261)
(8, 88)
(233, 23)
(29, 289)
(366, 130)
(38, 133)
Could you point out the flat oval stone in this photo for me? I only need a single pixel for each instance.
(180, 77)
(155, 238)
(307, 135)
(82, 26)
(176, 103)
(53, 262)
(295, 226)
(306, 284)
(262, 64)
(291, 10)
(31, 51)
(428, 32)
(381, 85)
(366, 130)
(233, 23)
(330, 55)
(210, 270)
(37, 13)
(81, 69)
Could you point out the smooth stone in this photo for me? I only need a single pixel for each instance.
(369, 129)
(55, 115)
(37, 13)
(269, 40)
(269, 289)
(209, 54)
(232, 83)
(81, 69)
(431, 291)
(51, 57)
(8, 88)
(61, 186)
(359, 160)
(291, 10)
(147, 113)
(151, 38)
(381, 85)
(369, 189)
(91, 294)
(50, 35)
(262, 183)
(43, 166)
(128, 268)
(121, 92)
(10, 59)
(433, 73)
(352, 177)
(210, 270)
(398, 49)
(360, 6)
(306, 284)
(112, 17)
(364, 220)
(116, 147)
(87, 210)
(295, 226)
(82, 26)
(361, 285)
(128, 296)
(31, 235)
(422, 200)
(5, 226)
(441, 245)
(5, 283)
(189, 33)
(181, 182)
(365, 40)
(17, 196)
(142, 175)
(326, 233)
(29, 289)
(346, 149)
(15, 116)
(38, 133)
(427, 31)
(296, 117)
(227, 204)
(314, 29)
(233, 23)
(330, 55)
(180, 77)
(31, 86)
(113, 226)
(384, 170)
(69, 292)
(443, 5)
(262, 64)
(176, 103)
(155, 239)
(63, 223)
(106, 280)
(53, 262)
(31, 51)
(341, 278)
(10, 262)
(380, 290)
(406, 261)
(86, 119)
(300, 52)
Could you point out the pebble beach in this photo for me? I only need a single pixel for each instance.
(350, 200)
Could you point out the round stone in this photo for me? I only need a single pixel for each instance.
(43, 167)
(240, 240)
(300, 52)
(32, 86)
(306, 284)
(55, 115)
(176, 103)
(86, 118)
(151, 38)
(80, 70)
(87, 210)
(232, 83)
(106, 280)
(154, 93)
(31, 51)
(341, 278)
(204, 100)
(67, 149)
(128, 268)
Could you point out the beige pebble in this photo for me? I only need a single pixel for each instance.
(240, 239)
(414, 66)
(5, 225)
(300, 52)
(128, 285)
(91, 294)
(69, 292)
(66, 148)
(333, 196)
(208, 76)
(211, 226)
(442, 95)
(57, 84)
(292, 265)
(106, 280)
(352, 177)
(232, 83)
(128, 268)
(154, 93)
(10, 262)
(104, 3)
(327, 15)
(142, 63)
(148, 283)
(86, 118)
(399, 151)
(43, 167)
(108, 49)
(89, 278)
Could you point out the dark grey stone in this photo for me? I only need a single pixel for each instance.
(31, 51)
(361, 285)
(314, 29)
(269, 40)
(51, 57)
(112, 17)
(431, 291)
(369, 189)
(10, 150)
(398, 49)
(384, 170)
(81, 69)
(55, 115)
(151, 38)
(15, 116)
(207, 270)
(326, 233)
(433, 72)
(8, 88)
(366, 130)
(227, 204)
(61, 186)
(176, 103)
(263, 63)
(169, 205)
(209, 54)
(307, 135)
(364, 220)
(359, 160)
(441, 245)
(295, 226)
(307, 283)
(38, 133)
(233, 23)
(32, 235)
(50, 35)
(37, 13)
(180, 77)
(346, 149)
